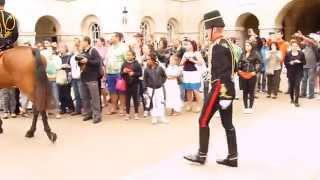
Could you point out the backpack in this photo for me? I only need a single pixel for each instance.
(102, 70)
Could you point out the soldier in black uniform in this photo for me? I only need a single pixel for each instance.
(222, 66)
(8, 28)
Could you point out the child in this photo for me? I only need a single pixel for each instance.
(155, 77)
(173, 100)
(130, 72)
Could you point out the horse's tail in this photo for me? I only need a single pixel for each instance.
(43, 91)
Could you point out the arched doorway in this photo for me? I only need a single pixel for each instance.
(172, 29)
(303, 15)
(147, 28)
(90, 26)
(47, 28)
(245, 22)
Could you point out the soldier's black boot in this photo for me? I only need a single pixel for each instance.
(231, 161)
(232, 158)
(201, 156)
(197, 158)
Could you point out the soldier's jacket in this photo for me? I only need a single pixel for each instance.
(8, 30)
(222, 66)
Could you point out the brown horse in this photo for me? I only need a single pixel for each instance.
(25, 68)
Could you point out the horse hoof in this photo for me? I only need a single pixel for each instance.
(30, 134)
(53, 137)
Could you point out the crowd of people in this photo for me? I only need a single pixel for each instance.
(162, 79)
(264, 59)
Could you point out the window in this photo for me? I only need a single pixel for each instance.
(94, 32)
(203, 34)
(171, 31)
(145, 30)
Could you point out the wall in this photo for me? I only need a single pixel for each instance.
(188, 15)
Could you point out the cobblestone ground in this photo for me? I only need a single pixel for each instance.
(278, 141)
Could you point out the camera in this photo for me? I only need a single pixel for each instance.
(80, 57)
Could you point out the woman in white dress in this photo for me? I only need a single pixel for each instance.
(173, 93)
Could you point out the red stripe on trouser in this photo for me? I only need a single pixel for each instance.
(204, 118)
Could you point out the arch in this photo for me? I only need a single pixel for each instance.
(244, 22)
(248, 20)
(173, 29)
(90, 26)
(147, 28)
(47, 28)
(289, 17)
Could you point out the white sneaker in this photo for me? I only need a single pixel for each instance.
(250, 111)
(245, 111)
(136, 117)
(145, 113)
(154, 120)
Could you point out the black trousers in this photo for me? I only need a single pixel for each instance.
(210, 107)
(273, 82)
(248, 86)
(294, 87)
(65, 97)
(132, 92)
(18, 104)
(141, 90)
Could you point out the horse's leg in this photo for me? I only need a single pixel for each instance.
(1, 130)
(33, 128)
(51, 135)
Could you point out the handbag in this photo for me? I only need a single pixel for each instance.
(121, 85)
(61, 77)
(246, 75)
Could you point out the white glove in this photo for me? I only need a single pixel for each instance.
(224, 104)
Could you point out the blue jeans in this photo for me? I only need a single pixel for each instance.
(76, 83)
(308, 78)
(55, 93)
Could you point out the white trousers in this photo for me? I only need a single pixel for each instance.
(158, 103)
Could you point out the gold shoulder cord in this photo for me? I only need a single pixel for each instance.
(232, 57)
(1, 24)
(5, 22)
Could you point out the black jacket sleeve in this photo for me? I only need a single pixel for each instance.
(163, 75)
(137, 70)
(287, 59)
(239, 64)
